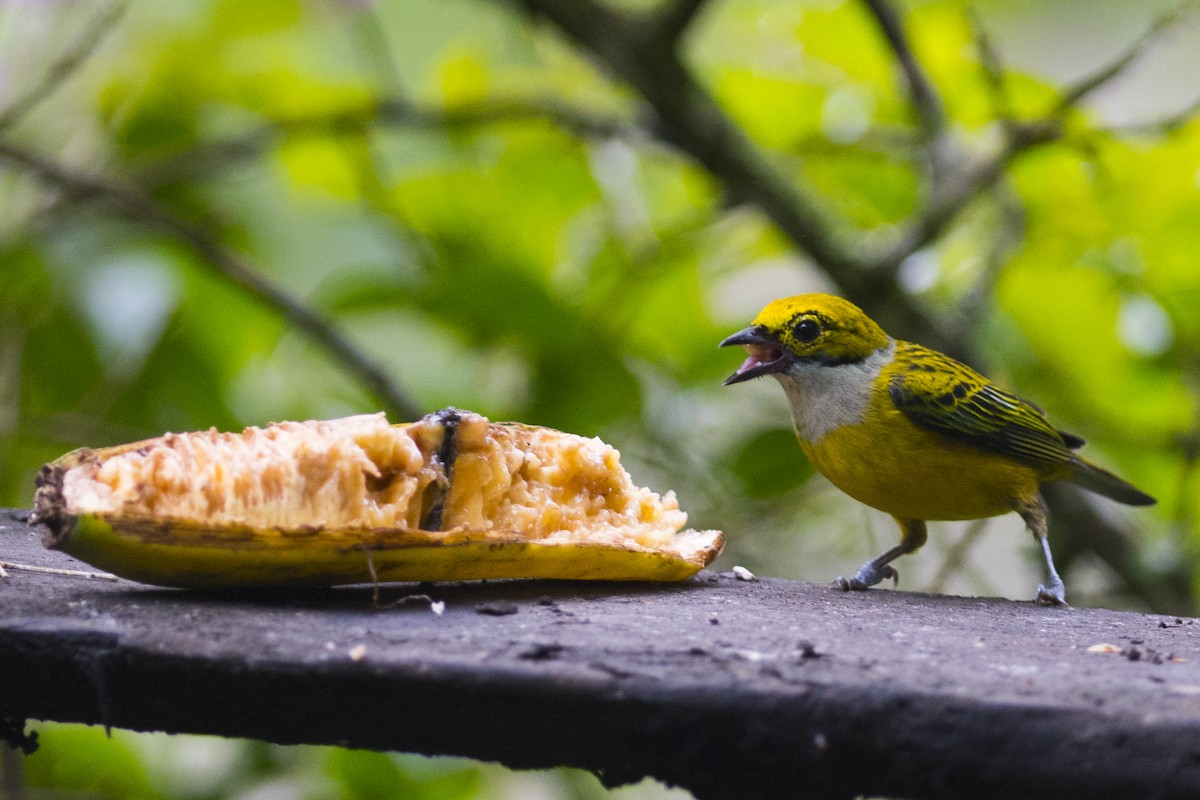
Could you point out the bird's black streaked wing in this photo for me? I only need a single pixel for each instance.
(946, 396)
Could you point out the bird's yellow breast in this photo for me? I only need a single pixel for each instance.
(885, 460)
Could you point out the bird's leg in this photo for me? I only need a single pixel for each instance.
(1053, 592)
(912, 536)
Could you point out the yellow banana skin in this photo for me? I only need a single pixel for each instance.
(188, 556)
(193, 553)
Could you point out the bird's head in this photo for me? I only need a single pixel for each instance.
(817, 329)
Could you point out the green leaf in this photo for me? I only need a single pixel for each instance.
(377, 776)
(770, 463)
(79, 759)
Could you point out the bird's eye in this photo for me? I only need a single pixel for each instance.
(807, 330)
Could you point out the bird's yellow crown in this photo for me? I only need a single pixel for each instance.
(821, 327)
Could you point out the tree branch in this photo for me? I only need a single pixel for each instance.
(1159, 127)
(226, 264)
(993, 67)
(574, 119)
(675, 18)
(1138, 48)
(391, 112)
(693, 121)
(925, 99)
(957, 191)
(65, 65)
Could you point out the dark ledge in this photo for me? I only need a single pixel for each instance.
(731, 689)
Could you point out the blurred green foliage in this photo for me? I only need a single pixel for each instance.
(525, 269)
(78, 761)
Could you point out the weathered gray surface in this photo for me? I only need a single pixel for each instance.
(731, 689)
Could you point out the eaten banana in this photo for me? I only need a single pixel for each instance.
(450, 497)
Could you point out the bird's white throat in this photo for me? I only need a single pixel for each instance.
(824, 397)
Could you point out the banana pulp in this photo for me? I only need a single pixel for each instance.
(353, 500)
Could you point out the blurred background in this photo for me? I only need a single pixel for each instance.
(223, 213)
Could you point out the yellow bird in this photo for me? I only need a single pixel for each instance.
(910, 431)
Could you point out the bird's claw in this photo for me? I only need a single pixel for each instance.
(866, 577)
(1054, 595)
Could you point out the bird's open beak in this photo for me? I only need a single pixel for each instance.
(765, 356)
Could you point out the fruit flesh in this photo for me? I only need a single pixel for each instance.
(361, 472)
(285, 476)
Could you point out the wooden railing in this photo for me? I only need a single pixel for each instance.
(730, 688)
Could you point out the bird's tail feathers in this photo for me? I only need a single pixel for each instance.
(1101, 481)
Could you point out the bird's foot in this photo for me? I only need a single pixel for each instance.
(866, 577)
(1053, 595)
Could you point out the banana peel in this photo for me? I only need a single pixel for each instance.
(451, 497)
